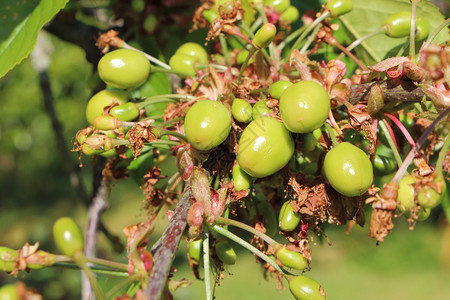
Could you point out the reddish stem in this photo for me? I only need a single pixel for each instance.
(402, 128)
(391, 133)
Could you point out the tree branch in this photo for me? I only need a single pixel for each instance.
(393, 91)
(164, 250)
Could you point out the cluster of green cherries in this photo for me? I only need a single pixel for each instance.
(267, 143)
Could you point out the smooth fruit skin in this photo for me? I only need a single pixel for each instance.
(304, 106)
(68, 236)
(398, 24)
(348, 169)
(292, 259)
(104, 98)
(125, 112)
(304, 288)
(278, 5)
(196, 250)
(207, 124)
(339, 7)
(429, 197)
(8, 257)
(180, 62)
(291, 14)
(422, 29)
(9, 292)
(276, 89)
(288, 219)
(260, 109)
(194, 50)
(264, 36)
(265, 147)
(225, 252)
(406, 193)
(241, 110)
(241, 180)
(124, 68)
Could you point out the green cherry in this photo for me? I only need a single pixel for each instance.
(339, 7)
(291, 259)
(304, 288)
(225, 252)
(348, 169)
(97, 103)
(264, 36)
(241, 180)
(241, 110)
(207, 124)
(124, 68)
(194, 50)
(288, 219)
(277, 88)
(68, 236)
(304, 106)
(265, 147)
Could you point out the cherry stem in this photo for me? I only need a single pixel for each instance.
(330, 132)
(402, 128)
(412, 29)
(398, 176)
(81, 261)
(334, 42)
(120, 285)
(162, 99)
(163, 132)
(291, 36)
(434, 34)
(389, 134)
(310, 39)
(358, 41)
(149, 57)
(251, 52)
(225, 52)
(207, 266)
(247, 246)
(254, 231)
(310, 28)
(164, 70)
(95, 269)
(108, 263)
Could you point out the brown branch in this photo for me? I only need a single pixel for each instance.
(393, 91)
(164, 250)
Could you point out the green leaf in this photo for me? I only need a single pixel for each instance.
(20, 23)
(368, 15)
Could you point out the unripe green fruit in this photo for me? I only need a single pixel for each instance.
(278, 5)
(241, 110)
(7, 259)
(96, 144)
(277, 88)
(260, 109)
(183, 63)
(194, 50)
(291, 14)
(422, 29)
(40, 259)
(241, 180)
(429, 197)
(68, 237)
(196, 250)
(288, 219)
(309, 142)
(291, 259)
(265, 147)
(207, 124)
(398, 24)
(348, 169)
(9, 292)
(225, 252)
(125, 112)
(124, 68)
(405, 196)
(304, 288)
(104, 98)
(304, 106)
(339, 7)
(264, 36)
(105, 122)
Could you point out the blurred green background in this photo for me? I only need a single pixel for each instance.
(36, 188)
